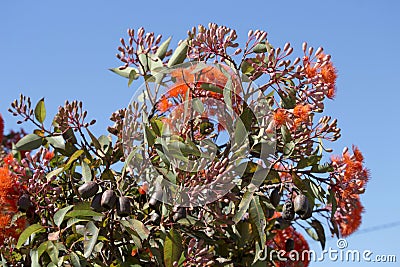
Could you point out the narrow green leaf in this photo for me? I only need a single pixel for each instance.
(56, 141)
(40, 111)
(74, 259)
(257, 217)
(286, 136)
(29, 142)
(74, 157)
(172, 248)
(163, 48)
(34, 258)
(86, 173)
(320, 232)
(88, 245)
(179, 54)
(32, 229)
(288, 148)
(126, 72)
(308, 161)
(138, 227)
(312, 233)
(243, 206)
(60, 214)
(55, 172)
(83, 213)
(94, 139)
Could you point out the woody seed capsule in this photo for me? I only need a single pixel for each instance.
(88, 189)
(108, 199)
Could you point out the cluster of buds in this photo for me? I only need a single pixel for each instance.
(118, 118)
(212, 41)
(72, 115)
(23, 108)
(139, 45)
(43, 191)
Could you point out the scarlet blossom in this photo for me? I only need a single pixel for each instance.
(348, 215)
(143, 189)
(349, 180)
(278, 243)
(301, 112)
(329, 73)
(10, 192)
(164, 104)
(280, 117)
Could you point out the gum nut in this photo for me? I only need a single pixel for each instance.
(155, 218)
(88, 189)
(275, 197)
(301, 204)
(308, 213)
(24, 203)
(123, 207)
(179, 214)
(108, 199)
(288, 211)
(96, 203)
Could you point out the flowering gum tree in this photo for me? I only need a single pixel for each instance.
(220, 159)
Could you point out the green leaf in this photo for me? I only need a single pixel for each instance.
(133, 75)
(104, 143)
(29, 142)
(34, 258)
(32, 229)
(83, 213)
(74, 157)
(94, 139)
(88, 245)
(163, 48)
(86, 173)
(320, 232)
(56, 141)
(179, 54)
(138, 227)
(172, 248)
(40, 111)
(60, 214)
(312, 233)
(322, 168)
(211, 88)
(286, 136)
(257, 218)
(55, 172)
(243, 206)
(260, 48)
(308, 161)
(74, 259)
(288, 148)
(126, 72)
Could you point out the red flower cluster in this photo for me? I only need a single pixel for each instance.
(322, 71)
(279, 242)
(349, 180)
(10, 191)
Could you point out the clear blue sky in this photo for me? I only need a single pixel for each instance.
(61, 50)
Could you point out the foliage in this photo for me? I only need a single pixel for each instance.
(84, 200)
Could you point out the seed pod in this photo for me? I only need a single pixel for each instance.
(108, 199)
(301, 204)
(179, 214)
(275, 197)
(155, 199)
(96, 203)
(123, 207)
(288, 211)
(308, 213)
(24, 203)
(289, 245)
(88, 189)
(155, 218)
